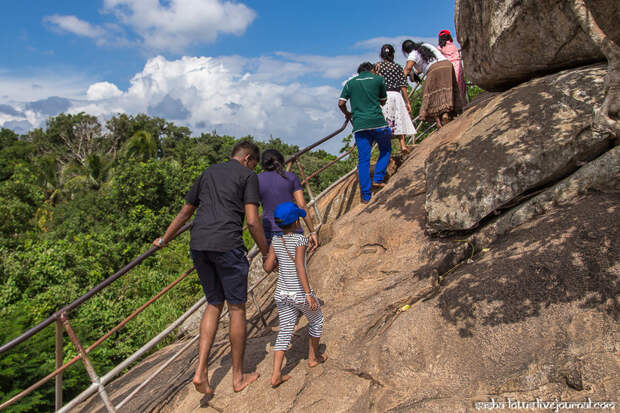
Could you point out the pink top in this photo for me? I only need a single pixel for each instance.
(450, 51)
(452, 54)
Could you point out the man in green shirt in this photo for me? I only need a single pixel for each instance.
(367, 94)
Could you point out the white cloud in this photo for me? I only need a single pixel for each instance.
(282, 94)
(376, 42)
(74, 25)
(24, 88)
(176, 24)
(209, 93)
(102, 90)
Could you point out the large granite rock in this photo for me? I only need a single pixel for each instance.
(506, 42)
(511, 144)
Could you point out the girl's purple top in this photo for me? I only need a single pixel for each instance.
(275, 189)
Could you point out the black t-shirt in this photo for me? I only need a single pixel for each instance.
(220, 194)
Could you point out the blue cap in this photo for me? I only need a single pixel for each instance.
(287, 213)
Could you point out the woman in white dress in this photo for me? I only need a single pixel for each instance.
(397, 110)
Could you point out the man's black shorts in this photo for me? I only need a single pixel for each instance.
(223, 275)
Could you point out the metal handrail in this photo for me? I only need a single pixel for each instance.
(66, 309)
(62, 320)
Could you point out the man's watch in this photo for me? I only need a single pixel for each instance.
(160, 242)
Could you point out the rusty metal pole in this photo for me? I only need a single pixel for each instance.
(315, 206)
(87, 364)
(59, 360)
(260, 312)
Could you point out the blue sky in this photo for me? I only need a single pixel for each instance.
(265, 68)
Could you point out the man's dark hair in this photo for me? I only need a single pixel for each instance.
(246, 147)
(365, 67)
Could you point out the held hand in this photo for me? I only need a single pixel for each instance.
(313, 242)
(312, 303)
(348, 116)
(159, 243)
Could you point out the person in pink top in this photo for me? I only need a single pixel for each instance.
(449, 50)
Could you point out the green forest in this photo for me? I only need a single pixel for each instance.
(81, 199)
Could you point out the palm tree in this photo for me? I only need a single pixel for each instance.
(141, 146)
(75, 177)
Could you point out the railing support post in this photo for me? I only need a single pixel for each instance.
(260, 312)
(59, 360)
(87, 364)
(314, 205)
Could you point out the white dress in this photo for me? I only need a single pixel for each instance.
(396, 115)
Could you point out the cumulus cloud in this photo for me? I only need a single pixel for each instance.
(74, 25)
(102, 90)
(25, 87)
(376, 42)
(51, 106)
(18, 126)
(175, 24)
(10, 110)
(207, 93)
(169, 108)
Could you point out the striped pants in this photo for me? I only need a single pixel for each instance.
(289, 306)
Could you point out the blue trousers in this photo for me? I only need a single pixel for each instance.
(364, 140)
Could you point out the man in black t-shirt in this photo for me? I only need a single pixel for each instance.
(222, 197)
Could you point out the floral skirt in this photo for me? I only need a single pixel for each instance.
(396, 115)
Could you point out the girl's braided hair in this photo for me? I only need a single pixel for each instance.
(273, 161)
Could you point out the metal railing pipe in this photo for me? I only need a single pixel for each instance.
(29, 333)
(152, 343)
(330, 163)
(317, 143)
(59, 359)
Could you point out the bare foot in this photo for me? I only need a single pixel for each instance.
(276, 381)
(202, 386)
(404, 151)
(321, 359)
(248, 378)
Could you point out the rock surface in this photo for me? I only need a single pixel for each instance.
(506, 42)
(511, 144)
(526, 307)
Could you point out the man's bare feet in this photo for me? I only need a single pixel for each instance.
(276, 381)
(315, 362)
(202, 386)
(248, 378)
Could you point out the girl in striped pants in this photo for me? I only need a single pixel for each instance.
(293, 294)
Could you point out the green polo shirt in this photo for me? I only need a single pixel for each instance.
(365, 92)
